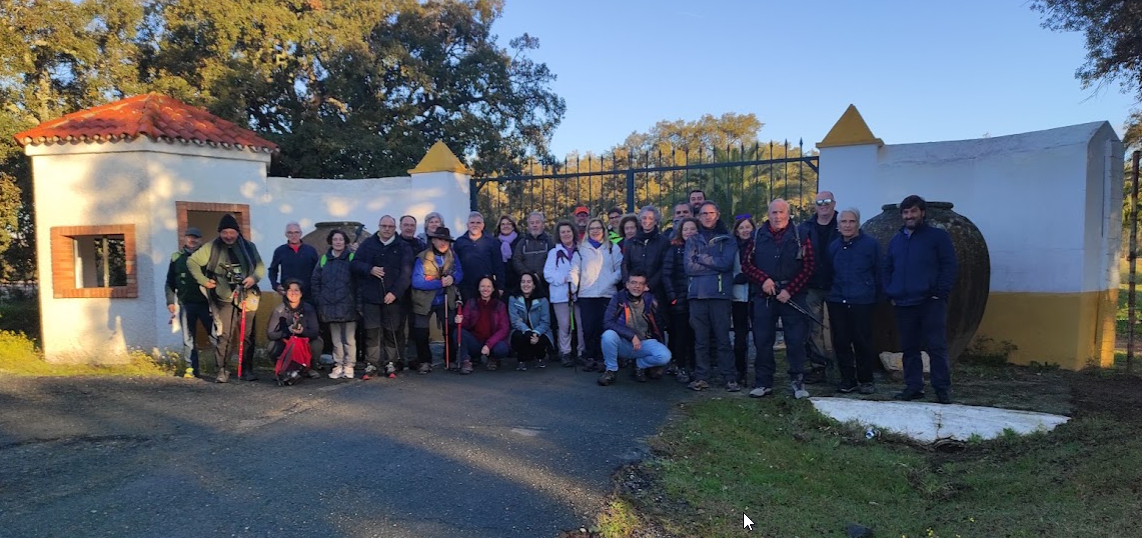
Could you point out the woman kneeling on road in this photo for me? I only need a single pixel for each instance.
(484, 328)
(294, 317)
(531, 321)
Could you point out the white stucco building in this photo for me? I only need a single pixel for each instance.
(126, 179)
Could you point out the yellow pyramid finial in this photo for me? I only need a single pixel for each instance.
(440, 159)
(850, 130)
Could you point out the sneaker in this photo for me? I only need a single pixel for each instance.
(733, 386)
(608, 378)
(816, 375)
(760, 392)
(671, 369)
(867, 388)
(907, 395)
(337, 373)
(347, 373)
(943, 396)
(370, 369)
(222, 377)
(846, 387)
(590, 365)
(799, 391)
(465, 367)
(639, 375)
(541, 363)
(521, 366)
(390, 369)
(566, 361)
(682, 376)
(424, 368)
(698, 385)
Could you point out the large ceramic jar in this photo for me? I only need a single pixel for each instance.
(316, 239)
(973, 279)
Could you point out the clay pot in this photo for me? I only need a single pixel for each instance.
(973, 279)
(316, 239)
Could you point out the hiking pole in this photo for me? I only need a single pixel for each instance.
(447, 363)
(802, 310)
(241, 326)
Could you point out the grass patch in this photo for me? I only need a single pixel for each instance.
(21, 316)
(798, 473)
(19, 356)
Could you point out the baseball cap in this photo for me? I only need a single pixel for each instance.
(581, 209)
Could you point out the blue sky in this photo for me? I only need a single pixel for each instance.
(917, 71)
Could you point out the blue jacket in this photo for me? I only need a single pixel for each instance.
(615, 318)
(480, 257)
(919, 266)
(539, 316)
(709, 262)
(287, 264)
(856, 270)
(432, 282)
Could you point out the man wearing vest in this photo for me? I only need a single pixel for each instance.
(383, 267)
(821, 230)
(779, 261)
(229, 268)
(186, 300)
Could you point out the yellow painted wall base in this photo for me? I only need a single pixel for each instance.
(1073, 330)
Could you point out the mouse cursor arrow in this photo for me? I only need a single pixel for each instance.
(748, 522)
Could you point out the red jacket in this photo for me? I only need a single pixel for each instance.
(501, 325)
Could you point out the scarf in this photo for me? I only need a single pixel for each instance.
(594, 243)
(564, 253)
(387, 243)
(506, 245)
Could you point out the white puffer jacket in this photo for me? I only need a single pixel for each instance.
(596, 271)
(557, 272)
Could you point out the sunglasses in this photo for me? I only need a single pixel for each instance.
(824, 202)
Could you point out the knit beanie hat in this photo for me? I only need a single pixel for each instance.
(228, 221)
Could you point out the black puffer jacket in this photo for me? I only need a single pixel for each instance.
(646, 252)
(332, 288)
(674, 276)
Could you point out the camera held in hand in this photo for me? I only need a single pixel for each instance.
(234, 274)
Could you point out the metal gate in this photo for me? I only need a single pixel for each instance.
(742, 180)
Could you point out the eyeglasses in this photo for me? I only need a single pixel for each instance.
(824, 202)
(596, 228)
(387, 226)
(708, 213)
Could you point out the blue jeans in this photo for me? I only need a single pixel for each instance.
(925, 326)
(470, 347)
(795, 324)
(652, 352)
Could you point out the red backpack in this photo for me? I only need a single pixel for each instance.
(295, 357)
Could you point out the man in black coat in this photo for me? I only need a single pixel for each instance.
(479, 255)
(408, 233)
(646, 251)
(383, 268)
(821, 230)
(294, 260)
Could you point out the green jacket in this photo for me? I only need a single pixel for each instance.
(248, 258)
(181, 287)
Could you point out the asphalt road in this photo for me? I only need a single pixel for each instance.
(494, 454)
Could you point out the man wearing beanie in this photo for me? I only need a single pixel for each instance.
(229, 268)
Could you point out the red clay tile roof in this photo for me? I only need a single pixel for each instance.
(156, 116)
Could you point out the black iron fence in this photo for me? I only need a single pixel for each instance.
(742, 179)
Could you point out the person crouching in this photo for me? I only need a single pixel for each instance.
(484, 328)
(294, 317)
(632, 332)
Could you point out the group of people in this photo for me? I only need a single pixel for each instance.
(594, 294)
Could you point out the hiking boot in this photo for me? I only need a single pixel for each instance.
(943, 396)
(222, 377)
(424, 368)
(590, 365)
(733, 386)
(682, 376)
(465, 367)
(639, 375)
(248, 375)
(521, 366)
(370, 370)
(760, 392)
(608, 378)
(799, 391)
(489, 363)
(390, 370)
(816, 375)
(313, 374)
(624, 363)
(847, 386)
(698, 385)
(867, 388)
(907, 395)
(671, 369)
(566, 361)
(655, 372)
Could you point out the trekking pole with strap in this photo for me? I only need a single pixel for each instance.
(241, 326)
(447, 362)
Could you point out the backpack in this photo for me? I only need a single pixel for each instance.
(321, 262)
(295, 357)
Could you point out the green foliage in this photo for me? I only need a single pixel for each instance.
(1113, 38)
(347, 88)
(21, 316)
